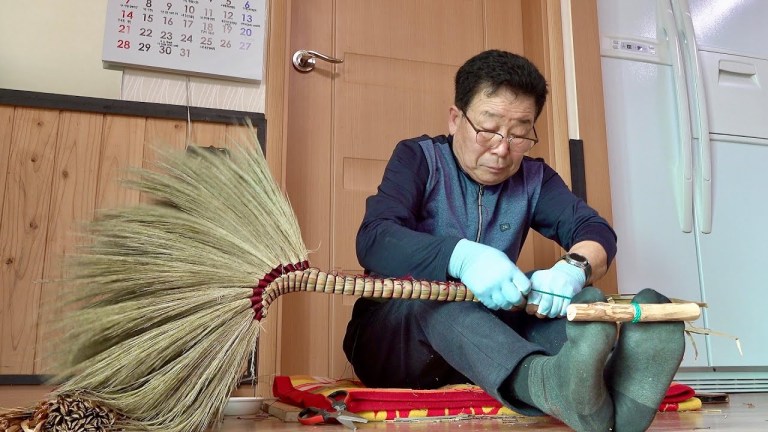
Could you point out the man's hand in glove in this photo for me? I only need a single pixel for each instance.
(491, 276)
(552, 289)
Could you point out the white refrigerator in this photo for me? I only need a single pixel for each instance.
(686, 102)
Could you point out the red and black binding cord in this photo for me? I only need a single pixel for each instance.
(277, 272)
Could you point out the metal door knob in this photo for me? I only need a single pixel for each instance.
(304, 60)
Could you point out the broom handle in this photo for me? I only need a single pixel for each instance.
(633, 312)
(314, 280)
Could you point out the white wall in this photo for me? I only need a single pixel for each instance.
(54, 46)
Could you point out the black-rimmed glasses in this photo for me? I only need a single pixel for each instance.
(491, 140)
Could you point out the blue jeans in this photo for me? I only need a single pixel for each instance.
(423, 344)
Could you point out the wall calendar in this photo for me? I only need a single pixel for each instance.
(220, 38)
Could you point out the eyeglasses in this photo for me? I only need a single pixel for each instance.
(492, 140)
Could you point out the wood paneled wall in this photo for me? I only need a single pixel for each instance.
(57, 168)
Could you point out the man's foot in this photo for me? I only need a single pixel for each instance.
(643, 365)
(569, 385)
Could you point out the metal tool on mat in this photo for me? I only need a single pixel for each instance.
(338, 399)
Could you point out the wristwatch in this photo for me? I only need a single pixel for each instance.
(579, 261)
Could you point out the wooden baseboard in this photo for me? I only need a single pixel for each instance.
(24, 379)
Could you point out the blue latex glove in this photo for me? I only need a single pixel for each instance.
(553, 289)
(489, 273)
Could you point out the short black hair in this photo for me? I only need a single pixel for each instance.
(494, 69)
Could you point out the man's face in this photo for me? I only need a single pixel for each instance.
(505, 113)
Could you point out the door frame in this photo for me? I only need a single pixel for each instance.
(276, 77)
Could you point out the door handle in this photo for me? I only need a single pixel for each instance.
(704, 197)
(304, 60)
(684, 169)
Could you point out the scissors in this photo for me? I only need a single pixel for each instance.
(338, 399)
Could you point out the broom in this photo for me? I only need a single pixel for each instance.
(168, 296)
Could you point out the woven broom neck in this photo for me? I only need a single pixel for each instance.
(314, 280)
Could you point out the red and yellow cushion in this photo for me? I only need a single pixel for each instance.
(680, 397)
(380, 404)
(389, 404)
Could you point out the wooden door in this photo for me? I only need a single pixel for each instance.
(343, 121)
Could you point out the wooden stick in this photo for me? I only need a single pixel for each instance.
(633, 312)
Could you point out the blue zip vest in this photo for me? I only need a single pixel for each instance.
(456, 205)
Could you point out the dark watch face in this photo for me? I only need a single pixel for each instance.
(578, 258)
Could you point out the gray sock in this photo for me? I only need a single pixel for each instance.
(643, 365)
(569, 385)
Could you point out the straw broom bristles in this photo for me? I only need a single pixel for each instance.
(167, 321)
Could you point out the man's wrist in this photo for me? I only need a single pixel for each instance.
(579, 261)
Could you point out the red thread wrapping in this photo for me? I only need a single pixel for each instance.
(258, 290)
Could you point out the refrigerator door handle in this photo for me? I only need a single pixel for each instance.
(684, 189)
(688, 38)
